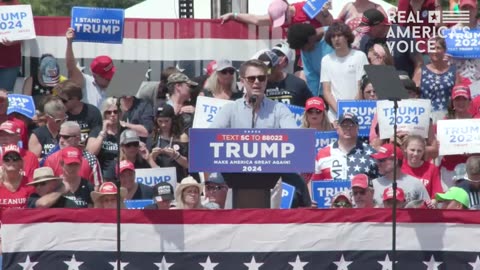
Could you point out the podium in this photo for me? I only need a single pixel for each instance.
(251, 190)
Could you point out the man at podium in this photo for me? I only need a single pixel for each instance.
(254, 110)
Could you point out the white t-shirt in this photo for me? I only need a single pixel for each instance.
(413, 188)
(93, 94)
(343, 73)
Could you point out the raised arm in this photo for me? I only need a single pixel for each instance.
(260, 20)
(74, 74)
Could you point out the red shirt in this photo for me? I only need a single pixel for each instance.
(17, 199)
(428, 173)
(53, 161)
(420, 20)
(30, 163)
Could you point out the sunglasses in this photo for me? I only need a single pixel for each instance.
(359, 192)
(9, 158)
(342, 205)
(215, 188)
(41, 184)
(58, 120)
(66, 137)
(111, 112)
(314, 111)
(347, 125)
(134, 144)
(230, 71)
(382, 160)
(252, 79)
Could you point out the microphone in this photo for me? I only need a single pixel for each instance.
(253, 102)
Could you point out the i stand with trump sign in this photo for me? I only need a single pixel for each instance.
(102, 25)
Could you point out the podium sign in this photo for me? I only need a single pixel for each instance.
(252, 150)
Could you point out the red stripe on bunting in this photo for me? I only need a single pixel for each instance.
(165, 29)
(301, 216)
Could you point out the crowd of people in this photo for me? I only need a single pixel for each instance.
(81, 139)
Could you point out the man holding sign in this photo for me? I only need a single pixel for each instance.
(94, 88)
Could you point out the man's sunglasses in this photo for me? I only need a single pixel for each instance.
(9, 158)
(215, 187)
(252, 79)
(66, 137)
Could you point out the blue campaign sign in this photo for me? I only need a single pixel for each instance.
(21, 104)
(137, 204)
(463, 43)
(251, 150)
(313, 7)
(297, 113)
(324, 191)
(363, 109)
(324, 138)
(101, 25)
(288, 191)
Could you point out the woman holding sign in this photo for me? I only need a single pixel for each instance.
(458, 109)
(416, 165)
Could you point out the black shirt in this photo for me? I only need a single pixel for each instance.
(81, 197)
(143, 192)
(141, 113)
(46, 140)
(108, 150)
(291, 90)
(166, 161)
(62, 202)
(88, 119)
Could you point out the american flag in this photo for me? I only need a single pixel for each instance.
(450, 16)
(302, 239)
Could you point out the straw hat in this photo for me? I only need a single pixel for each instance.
(187, 182)
(43, 174)
(107, 188)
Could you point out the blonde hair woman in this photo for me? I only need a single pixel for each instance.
(222, 83)
(188, 194)
(315, 116)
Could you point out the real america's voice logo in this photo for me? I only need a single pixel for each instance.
(423, 26)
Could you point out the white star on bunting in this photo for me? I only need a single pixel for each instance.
(122, 265)
(432, 264)
(386, 264)
(342, 264)
(208, 265)
(73, 264)
(475, 265)
(253, 265)
(163, 265)
(298, 264)
(27, 265)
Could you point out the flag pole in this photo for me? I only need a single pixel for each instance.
(119, 202)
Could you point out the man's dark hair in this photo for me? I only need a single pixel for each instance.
(342, 29)
(70, 89)
(298, 35)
